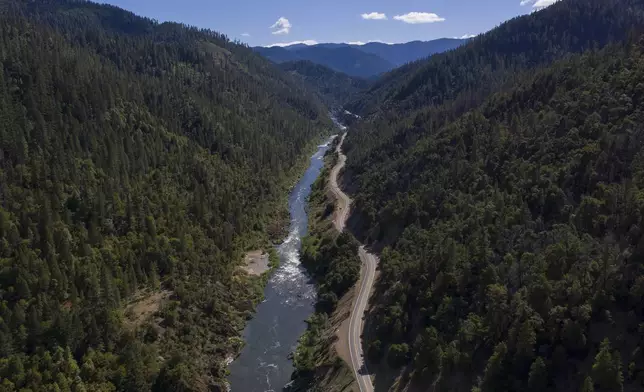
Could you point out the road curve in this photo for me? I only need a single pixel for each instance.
(343, 201)
(356, 325)
(369, 263)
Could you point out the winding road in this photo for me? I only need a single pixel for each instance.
(369, 263)
(344, 202)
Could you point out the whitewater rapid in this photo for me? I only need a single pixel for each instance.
(264, 364)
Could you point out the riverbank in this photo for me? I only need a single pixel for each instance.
(332, 259)
(276, 230)
(289, 298)
(265, 239)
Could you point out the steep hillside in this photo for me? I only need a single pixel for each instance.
(139, 160)
(335, 88)
(407, 103)
(515, 245)
(491, 59)
(504, 182)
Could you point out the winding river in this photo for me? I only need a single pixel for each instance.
(290, 296)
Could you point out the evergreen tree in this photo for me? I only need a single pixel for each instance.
(110, 126)
(587, 385)
(538, 376)
(607, 369)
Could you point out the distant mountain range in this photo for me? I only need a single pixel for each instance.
(363, 61)
(333, 87)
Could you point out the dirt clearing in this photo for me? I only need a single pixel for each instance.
(143, 306)
(257, 262)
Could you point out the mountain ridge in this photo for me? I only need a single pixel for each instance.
(366, 60)
(425, 82)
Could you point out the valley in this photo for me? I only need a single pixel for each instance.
(184, 211)
(272, 334)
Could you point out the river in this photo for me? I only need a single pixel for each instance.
(290, 296)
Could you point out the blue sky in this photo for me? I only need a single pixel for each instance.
(266, 22)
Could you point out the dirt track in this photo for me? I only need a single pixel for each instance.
(343, 201)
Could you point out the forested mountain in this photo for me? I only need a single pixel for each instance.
(278, 54)
(478, 68)
(366, 61)
(516, 261)
(418, 98)
(504, 181)
(136, 157)
(334, 88)
(400, 54)
(345, 59)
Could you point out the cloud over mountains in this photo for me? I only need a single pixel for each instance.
(281, 27)
(420, 17)
(539, 4)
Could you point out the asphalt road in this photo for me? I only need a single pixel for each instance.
(369, 263)
(359, 365)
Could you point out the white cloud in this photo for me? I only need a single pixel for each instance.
(282, 26)
(360, 43)
(374, 16)
(420, 17)
(466, 36)
(538, 4)
(308, 42)
(245, 34)
(544, 3)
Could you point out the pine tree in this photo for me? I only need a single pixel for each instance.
(587, 385)
(495, 377)
(607, 369)
(538, 376)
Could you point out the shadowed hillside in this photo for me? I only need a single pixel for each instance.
(138, 161)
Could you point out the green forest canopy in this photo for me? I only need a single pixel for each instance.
(506, 190)
(133, 155)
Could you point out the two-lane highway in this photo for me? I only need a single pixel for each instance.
(359, 364)
(369, 263)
